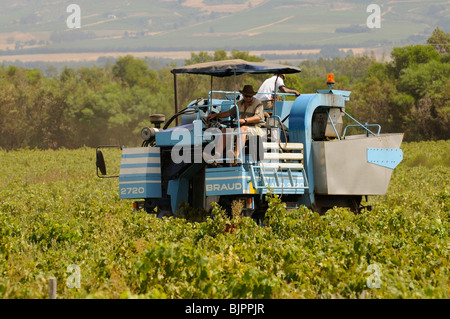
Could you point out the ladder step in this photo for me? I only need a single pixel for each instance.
(282, 165)
(284, 146)
(283, 156)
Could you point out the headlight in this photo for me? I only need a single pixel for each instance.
(148, 132)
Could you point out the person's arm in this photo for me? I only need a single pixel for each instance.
(220, 115)
(223, 114)
(250, 120)
(286, 90)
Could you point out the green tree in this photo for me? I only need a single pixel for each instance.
(373, 101)
(405, 57)
(220, 55)
(440, 40)
(10, 125)
(131, 71)
(428, 84)
(54, 128)
(245, 55)
(428, 78)
(200, 57)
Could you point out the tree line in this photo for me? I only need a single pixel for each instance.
(94, 106)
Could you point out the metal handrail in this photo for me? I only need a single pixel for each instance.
(238, 93)
(364, 126)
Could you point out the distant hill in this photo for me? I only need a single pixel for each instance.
(28, 26)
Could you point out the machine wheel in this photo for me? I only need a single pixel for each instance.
(259, 215)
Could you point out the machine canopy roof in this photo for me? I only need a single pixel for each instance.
(237, 66)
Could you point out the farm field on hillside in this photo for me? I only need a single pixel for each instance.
(57, 219)
(171, 25)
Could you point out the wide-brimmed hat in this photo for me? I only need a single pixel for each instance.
(248, 90)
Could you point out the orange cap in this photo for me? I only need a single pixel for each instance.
(330, 78)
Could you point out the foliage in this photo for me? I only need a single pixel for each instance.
(440, 41)
(409, 94)
(54, 212)
(111, 104)
(409, 56)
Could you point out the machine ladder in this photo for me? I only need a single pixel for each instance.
(281, 170)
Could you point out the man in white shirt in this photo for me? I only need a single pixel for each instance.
(266, 92)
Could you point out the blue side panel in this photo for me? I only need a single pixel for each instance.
(386, 157)
(227, 181)
(179, 135)
(300, 131)
(140, 173)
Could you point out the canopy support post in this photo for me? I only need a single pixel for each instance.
(175, 85)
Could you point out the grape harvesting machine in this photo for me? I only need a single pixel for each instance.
(306, 155)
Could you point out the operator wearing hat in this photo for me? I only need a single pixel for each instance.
(251, 117)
